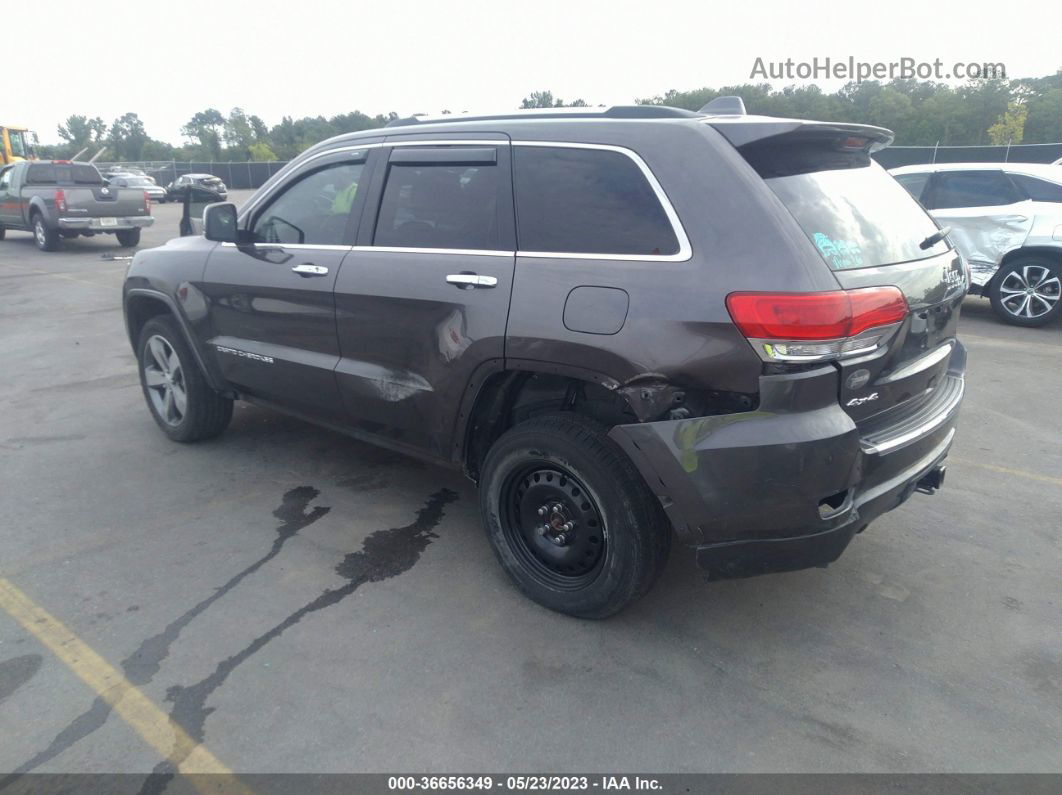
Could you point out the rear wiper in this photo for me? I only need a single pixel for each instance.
(935, 238)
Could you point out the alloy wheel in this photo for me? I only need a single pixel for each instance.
(1030, 291)
(164, 377)
(40, 234)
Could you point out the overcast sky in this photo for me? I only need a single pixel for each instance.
(307, 57)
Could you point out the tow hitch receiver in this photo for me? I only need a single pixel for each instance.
(932, 480)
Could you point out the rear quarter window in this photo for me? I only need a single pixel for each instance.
(587, 201)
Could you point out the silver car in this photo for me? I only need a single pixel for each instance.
(1006, 221)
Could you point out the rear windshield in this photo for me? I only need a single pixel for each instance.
(63, 174)
(852, 210)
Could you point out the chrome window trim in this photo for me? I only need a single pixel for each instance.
(685, 251)
(477, 252)
(296, 165)
(299, 246)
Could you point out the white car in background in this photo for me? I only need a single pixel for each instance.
(1006, 221)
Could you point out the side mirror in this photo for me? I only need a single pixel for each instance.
(219, 222)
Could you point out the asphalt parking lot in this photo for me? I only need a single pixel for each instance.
(300, 602)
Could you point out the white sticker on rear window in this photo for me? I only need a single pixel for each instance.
(840, 254)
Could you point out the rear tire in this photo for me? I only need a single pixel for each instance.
(3, 232)
(46, 238)
(127, 238)
(608, 537)
(178, 396)
(1027, 291)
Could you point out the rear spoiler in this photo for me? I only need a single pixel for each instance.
(744, 130)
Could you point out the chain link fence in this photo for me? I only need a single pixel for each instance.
(236, 175)
(896, 156)
(250, 175)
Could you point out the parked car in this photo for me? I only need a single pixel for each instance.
(620, 323)
(147, 184)
(1006, 220)
(56, 199)
(176, 190)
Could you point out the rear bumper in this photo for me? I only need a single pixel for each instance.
(95, 225)
(788, 486)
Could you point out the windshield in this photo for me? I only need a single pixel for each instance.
(139, 182)
(18, 143)
(852, 210)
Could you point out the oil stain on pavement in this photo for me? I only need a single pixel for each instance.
(384, 554)
(16, 672)
(142, 665)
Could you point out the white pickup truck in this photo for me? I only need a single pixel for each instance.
(56, 199)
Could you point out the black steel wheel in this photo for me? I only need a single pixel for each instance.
(553, 525)
(569, 518)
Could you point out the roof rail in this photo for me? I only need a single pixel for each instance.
(724, 106)
(614, 112)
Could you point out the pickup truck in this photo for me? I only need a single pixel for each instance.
(59, 199)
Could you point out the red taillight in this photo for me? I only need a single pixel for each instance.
(60, 200)
(816, 326)
(147, 202)
(815, 316)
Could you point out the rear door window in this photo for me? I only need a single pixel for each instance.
(587, 201)
(854, 212)
(958, 189)
(1039, 190)
(443, 206)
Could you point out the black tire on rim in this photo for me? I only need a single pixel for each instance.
(570, 519)
(128, 238)
(183, 404)
(1027, 291)
(46, 238)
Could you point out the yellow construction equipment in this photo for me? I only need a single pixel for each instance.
(16, 143)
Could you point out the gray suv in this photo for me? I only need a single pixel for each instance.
(623, 324)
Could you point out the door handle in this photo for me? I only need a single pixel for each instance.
(309, 269)
(470, 281)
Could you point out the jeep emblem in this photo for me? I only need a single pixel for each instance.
(858, 379)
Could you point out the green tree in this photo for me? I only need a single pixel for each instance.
(1010, 127)
(205, 129)
(127, 137)
(261, 152)
(81, 131)
(544, 99)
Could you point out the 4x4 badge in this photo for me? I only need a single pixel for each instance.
(862, 400)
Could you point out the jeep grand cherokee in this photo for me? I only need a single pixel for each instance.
(623, 324)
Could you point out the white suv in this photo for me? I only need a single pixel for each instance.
(1006, 221)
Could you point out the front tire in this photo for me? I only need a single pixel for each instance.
(1027, 291)
(570, 519)
(178, 396)
(127, 238)
(46, 238)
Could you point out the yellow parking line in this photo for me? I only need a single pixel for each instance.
(136, 709)
(1021, 473)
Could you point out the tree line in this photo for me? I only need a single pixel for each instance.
(991, 111)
